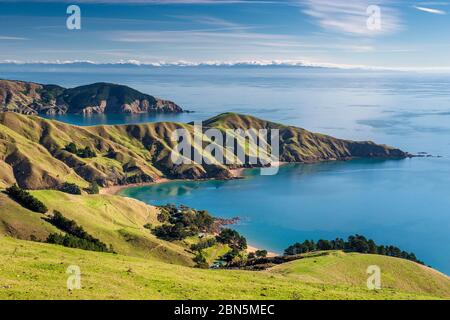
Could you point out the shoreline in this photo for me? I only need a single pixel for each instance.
(114, 190)
(236, 173)
(251, 248)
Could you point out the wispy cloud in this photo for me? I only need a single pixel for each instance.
(351, 16)
(430, 10)
(12, 38)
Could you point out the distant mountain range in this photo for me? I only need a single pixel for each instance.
(98, 98)
(34, 151)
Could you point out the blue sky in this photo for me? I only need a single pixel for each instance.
(411, 35)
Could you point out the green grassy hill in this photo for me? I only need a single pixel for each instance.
(35, 270)
(149, 268)
(115, 220)
(33, 151)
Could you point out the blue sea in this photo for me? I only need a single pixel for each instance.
(401, 202)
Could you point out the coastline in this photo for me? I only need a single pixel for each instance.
(236, 173)
(251, 248)
(114, 190)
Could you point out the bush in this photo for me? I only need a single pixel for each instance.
(93, 188)
(72, 148)
(200, 261)
(87, 152)
(148, 226)
(261, 253)
(25, 199)
(70, 188)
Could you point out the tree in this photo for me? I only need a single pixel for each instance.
(233, 239)
(72, 148)
(261, 253)
(70, 188)
(200, 261)
(93, 188)
(25, 199)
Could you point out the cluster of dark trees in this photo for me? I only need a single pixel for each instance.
(93, 188)
(203, 244)
(87, 152)
(233, 239)
(181, 222)
(257, 254)
(200, 261)
(354, 243)
(70, 188)
(25, 199)
(75, 237)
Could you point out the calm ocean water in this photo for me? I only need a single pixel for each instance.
(404, 202)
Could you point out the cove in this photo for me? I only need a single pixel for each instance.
(399, 202)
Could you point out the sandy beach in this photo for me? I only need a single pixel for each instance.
(113, 190)
(251, 248)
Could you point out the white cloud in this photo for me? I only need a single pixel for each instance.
(351, 16)
(430, 10)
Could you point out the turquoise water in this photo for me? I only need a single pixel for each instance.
(401, 202)
(404, 203)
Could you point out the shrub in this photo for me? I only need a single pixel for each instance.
(86, 153)
(93, 188)
(148, 226)
(70, 188)
(72, 148)
(200, 261)
(25, 199)
(261, 253)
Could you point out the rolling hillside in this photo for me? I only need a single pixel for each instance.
(38, 271)
(149, 268)
(33, 151)
(117, 221)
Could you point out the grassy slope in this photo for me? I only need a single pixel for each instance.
(350, 269)
(115, 220)
(159, 269)
(36, 270)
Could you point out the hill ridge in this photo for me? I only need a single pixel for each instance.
(97, 98)
(33, 151)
